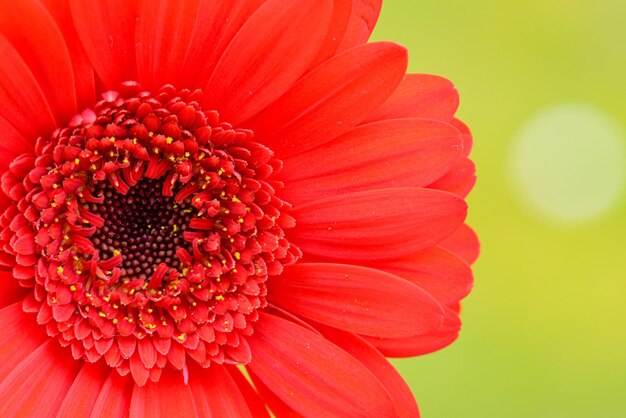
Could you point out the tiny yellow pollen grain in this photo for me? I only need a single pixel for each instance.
(174, 308)
(102, 315)
(59, 269)
(115, 320)
(116, 252)
(219, 297)
(181, 337)
(73, 288)
(55, 186)
(77, 160)
(169, 140)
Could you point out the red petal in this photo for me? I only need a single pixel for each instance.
(10, 289)
(459, 180)
(164, 31)
(254, 401)
(420, 96)
(13, 144)
(267, 56)
(82, 396)
(216, 394)
(342, 11)
(24, 105)
(38, 384)
(170, 397)
(216, 24)
(313, 376)
(392, 153)
(382, 369)
(274, 403)
(377, 224)
(441, 273)
(362, 21)
(84, 77)
(466, 135)
(356, 299)
(421, 344)
(41, 45)
(106, 29)
(114, 398)
(21, 337)
(464, 243)
(332, 98)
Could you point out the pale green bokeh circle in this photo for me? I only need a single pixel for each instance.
(567, 162)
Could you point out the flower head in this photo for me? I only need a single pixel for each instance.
(191, 188)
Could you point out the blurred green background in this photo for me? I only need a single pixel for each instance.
(545, 327)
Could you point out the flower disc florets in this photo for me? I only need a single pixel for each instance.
(147, 230)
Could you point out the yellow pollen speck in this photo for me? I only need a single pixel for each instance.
(240, 220)
(181, 337)
(53, 204)
(93, 167)
(112, 139)
(114, 320)
(225, 229)
(235, 199)
(174, 308)
(102, 315)
(169, 140)
(59, 269)
(150, 134)
(55, 186)
(175, 228)
(79, 272)
(156, 151)
(73, 288)
(115, 306)
(132, 291)
(219, 297)
(164, 323)
(150, 310)
(86, 308)
(187, 154)
(117, 252)
(77, 161)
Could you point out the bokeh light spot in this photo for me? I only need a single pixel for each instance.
(568, 162)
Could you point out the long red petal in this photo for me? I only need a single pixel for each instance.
(421, 344)
(254, 401)
(10, 289)
(170, 397)
(392, 153)
(440, 272)
(114, 398)
(342, 12)
(313, 376)
(459, 180)
(356, 299)
(83, 394)
(420, 96)
(216, 24)
(164, 32)
(362, 21)
(382, 369)
(275, 404)
(24, 104)
(377, 224)
(22, 336)
(216, 394)
(332, 98)
(84, 76)
(39, 383)
(464, 243)
(255, 70)
(106, 28)
(44, 50)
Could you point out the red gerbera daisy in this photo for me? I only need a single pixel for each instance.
(196, 187)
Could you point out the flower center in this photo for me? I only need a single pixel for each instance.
(147, 230)
(143, 226)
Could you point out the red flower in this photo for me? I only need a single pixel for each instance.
(294, 205)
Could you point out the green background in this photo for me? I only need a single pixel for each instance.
(544, 330)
